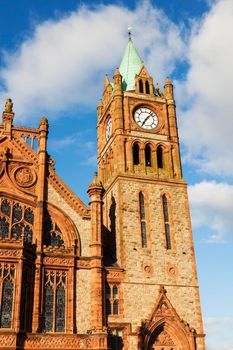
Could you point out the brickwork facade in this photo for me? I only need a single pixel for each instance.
(119, 274)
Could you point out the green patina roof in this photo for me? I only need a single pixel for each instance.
(130, 66)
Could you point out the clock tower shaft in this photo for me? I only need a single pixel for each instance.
(152, 294)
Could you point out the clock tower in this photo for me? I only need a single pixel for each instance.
(151, 288)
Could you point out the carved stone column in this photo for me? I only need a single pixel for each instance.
(97, 316)
(38, 289)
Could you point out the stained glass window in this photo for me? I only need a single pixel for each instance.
(60, 309)
(16, 231)
(166, 222)
(28, 233)
(4, 227)
(48, 308)
(53, 234)
(6, 297)
(17, 213)
(29, 216)
(16, 221)
(54, 301)
(5, 207)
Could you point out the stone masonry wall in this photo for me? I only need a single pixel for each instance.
(147, 268)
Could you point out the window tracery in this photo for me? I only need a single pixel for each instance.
(54, 301)
(7, 275)
(16, 220)
(53, 234)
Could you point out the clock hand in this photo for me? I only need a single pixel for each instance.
(146, 119)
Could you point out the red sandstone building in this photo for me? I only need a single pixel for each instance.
(121, 273)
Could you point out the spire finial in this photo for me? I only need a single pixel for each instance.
(130, 31)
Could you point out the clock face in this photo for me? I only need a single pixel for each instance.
(108, 129)
(146, 118)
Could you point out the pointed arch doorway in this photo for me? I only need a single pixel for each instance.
(164, 330)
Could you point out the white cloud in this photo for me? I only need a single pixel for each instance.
(207, 123)
(64, 61)
(219, 333)
(212, 206)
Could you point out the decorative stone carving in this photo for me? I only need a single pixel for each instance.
(113, 275)
(24, 176)
(48, 260)
(148, 269)
(163, 339)
(58, 342)
(10, 253)
(7, 340)
(85, 264)
(172, 270)
(9, 106)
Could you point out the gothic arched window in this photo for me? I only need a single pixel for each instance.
(16, 220)
(160, 157)
(143, 220)
(148, 155)
(166, 222)
(147, 87)
(7, 274)
(52, 233)
(141, 89)
(54, 301)
(136, 159)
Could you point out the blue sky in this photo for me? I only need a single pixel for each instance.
(53, 59)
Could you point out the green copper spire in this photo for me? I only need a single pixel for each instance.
(130, 66)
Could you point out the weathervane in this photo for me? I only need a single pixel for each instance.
(130, 31)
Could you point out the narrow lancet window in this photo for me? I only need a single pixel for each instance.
(7, 273)
(148, 155)
(136, 154)
(160, 157)
(141, 90)
(112, 299)
(54, 301)
(147, 88)
(166, 222)
(143, 220)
